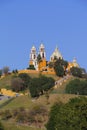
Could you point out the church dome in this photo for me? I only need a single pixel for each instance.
(56, 54)
(75, 63)
(33, 48)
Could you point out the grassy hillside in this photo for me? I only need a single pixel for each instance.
(6, 81)
(14, 126)
(28, 103)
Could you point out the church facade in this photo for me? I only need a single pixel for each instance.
(34, 57)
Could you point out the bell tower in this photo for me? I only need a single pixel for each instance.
(33, 57)
(33, 53)
(42, 51)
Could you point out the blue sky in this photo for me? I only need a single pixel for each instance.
(24, 23)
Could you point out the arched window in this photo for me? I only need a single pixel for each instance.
(34, 56)
(43, 55)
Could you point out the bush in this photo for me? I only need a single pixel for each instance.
(78, 72)
(77, 86)
(25, 78)
(70, 116)
(1, 126)
(5, 70)
(38, 114)
(17, 84)
(31, 67)
(6, 115)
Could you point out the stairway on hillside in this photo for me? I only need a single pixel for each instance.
(59, 82)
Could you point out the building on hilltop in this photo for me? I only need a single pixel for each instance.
(43, 65)
(73, 64)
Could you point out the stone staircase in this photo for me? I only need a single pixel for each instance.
(62, 80)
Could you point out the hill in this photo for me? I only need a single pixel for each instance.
(25, 102)
(28, 104)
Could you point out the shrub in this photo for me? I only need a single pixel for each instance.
(70, 116)
(77, 86)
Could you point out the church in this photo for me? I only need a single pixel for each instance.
(43, 65)
(33, 57)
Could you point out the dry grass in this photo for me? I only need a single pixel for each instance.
(64, 98)
(5, 82)
(27, 102)
(13, 126)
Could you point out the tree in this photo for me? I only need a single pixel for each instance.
(59, 70)
(69, 116)
(31, 67)
(5, 70)
(0, 72)
(60, 66)
(34, 87)
(61, 62)
(15, 71)
(40, 85)
(17, 84)
(52, 116)
(77, 86)
(75, 71)
(25, 78)
(51, 64)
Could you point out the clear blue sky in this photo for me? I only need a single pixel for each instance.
(24, 23)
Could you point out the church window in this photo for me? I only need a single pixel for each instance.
(42, 49)
(43, 55)
(34, 56)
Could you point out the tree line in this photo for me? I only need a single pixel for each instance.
(37, 86)
(60, 68)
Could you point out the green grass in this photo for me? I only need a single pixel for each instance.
(47, 75)
(13, 126)
(22, 101)
(5, 82)
(3, 101)
(28, 103)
